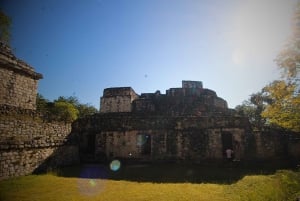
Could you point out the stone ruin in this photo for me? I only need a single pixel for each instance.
(187, 123)
(190, 123)
(28, 142)
(18, 81)
(192, 100)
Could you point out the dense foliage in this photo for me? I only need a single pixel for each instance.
(284, 108)
(252, 109)
(284, 105)
(65, 109)
(83, 109)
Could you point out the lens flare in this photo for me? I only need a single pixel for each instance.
(115, 165)
(91, 181)
(142, 139)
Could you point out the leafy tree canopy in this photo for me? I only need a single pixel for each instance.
(84, 109)
(252, 108)
(278, 104)
(283, 109)
(284, 106)
(65, 109)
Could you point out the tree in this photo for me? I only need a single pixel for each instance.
(5, 23)
(71, 99)
(45, 108)
(84, 109)
(65, 111)
(41, 103)
(283, 109)
(252, 109)
(284, 106)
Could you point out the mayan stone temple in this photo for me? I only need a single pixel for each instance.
(187, 123)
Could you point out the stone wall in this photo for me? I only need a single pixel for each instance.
(27, 143)
(180, 106)
(294, 148)
(117, 99)
(18, 81)
(192, 84)
(153, 137)
(158, 137)
(189, 100)
(17, 90)
(19, 162)
(272, 145)
(163, 145)
(220, 103)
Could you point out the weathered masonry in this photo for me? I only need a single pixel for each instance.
(188, 123)
(118, 100)
(18, 81)
(191, 99)
(159, 137)
(27, 143)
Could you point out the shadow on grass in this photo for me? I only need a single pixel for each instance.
(170, 172)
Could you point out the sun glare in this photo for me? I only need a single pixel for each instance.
(259, 29)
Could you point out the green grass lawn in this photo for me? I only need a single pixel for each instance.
(154, 182)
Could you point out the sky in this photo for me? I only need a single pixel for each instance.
(84, 46)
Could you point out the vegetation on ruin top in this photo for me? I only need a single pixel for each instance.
(66, 109)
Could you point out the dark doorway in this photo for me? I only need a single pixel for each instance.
(90, 148)
(87, 147)
(227, 141)
(144, 142)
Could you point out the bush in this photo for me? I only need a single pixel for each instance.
(64, 111)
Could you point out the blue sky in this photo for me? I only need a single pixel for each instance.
(84, 46)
